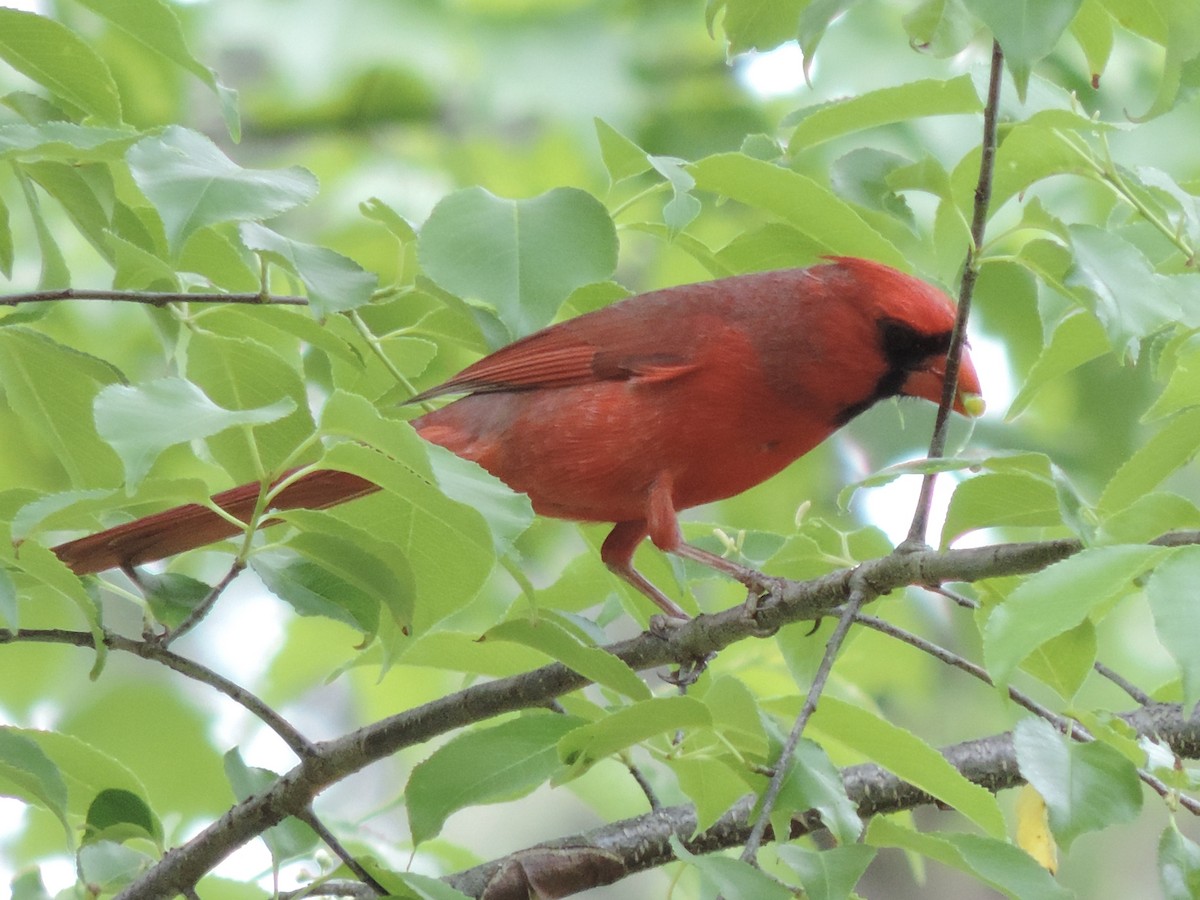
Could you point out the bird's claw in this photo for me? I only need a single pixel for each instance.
(761, 594)
(689, 672)
(662, 626)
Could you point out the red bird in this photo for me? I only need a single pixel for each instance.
(658, 403)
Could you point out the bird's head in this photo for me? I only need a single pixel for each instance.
(913, 322)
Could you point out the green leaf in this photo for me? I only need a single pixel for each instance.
(735, 714)
(815, 19)
(1129, 297)
(507, 512)
(154, 25)
(1079, 338)
(1065, 661)
(1148, 517)
(172, 596)
(9, 611)
(901, 103)
(245, 374)
(588, 744)
(1173, 447)
(84, 191)
(907, 756)
(941, 27)
(757, 24)
(813, 782)
(66, 141)
(40, 564)
(1171, 590)
(711, 784)
(1171, 24)
(447, 544)
(683, 207)
(193, 184)
(488, 765)
(51, 387)
(1032, 150)
(814, 210)
(1178, 865)
(118, 815)
(1057, 599)
(996, 862)
(1093, 29)
(377, 211)
(140, 422)
(1183, 387)
(313, 590)
(554, 635)
(85, 769)
(357, 557)
(28, 885)
(56, 58)
(622, 157)
(827, 874)
(519, 258)
(732, 877)
(1086, 787)
(334, 283)
(291, 837)
(137, 269)
(55, 273)
(6, 242)
(1027, 30)
(1000, 499)
(107, 867)
(27, 774)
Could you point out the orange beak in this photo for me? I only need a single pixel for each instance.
(928, 383)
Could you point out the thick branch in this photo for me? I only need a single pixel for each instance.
(643, 842)
(182, 867)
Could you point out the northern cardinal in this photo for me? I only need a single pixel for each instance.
(655, 404)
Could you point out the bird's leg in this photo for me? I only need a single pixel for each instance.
(662, 524)
(617, 553)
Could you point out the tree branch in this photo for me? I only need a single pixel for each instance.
(182, 867)
(966, 291)
(151, 298)
(643, 842)
(153, 650)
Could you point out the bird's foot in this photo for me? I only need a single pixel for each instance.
(663, 626)
(762, 592)
(689, 672)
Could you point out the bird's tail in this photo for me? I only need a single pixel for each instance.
(188, 527)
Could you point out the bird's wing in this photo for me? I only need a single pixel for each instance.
(580, 351)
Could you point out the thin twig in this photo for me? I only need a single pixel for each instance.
(983, 197)
(1123, 683)
(309, 818)
(151, 298)
(196, 616)
(642, 782)
(152, 650)
(1064, 724)
(859, 596)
